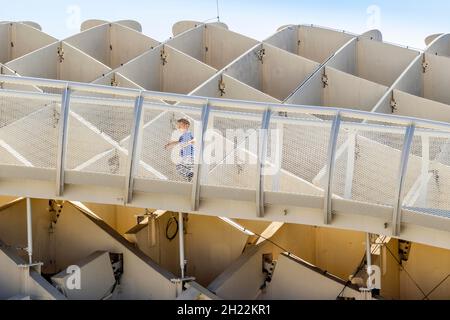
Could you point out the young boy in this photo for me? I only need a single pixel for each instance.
(186, 141)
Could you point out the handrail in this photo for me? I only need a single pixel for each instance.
(213, 102)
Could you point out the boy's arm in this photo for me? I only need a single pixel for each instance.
(171, 144)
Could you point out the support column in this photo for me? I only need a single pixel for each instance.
(181, 239)
(29, 232)
(260, 163)
(328, 195)
(398, 203)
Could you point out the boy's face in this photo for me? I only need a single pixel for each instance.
(182, 127)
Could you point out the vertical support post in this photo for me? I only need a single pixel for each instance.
(425, 171)
(279, 158)
(29, 232)
(328, 212)
(368, 254)
(398, 203)
(349, 173)
(261, 160)
(198, 160)
(134, 146)
(62, 142)
(181, 244)
(205, 166)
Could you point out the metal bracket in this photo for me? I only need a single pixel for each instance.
(62, 142)
(260, 54)
(398, 203)
(404, 248)
(60, 53)
(114, 82)
(325, 80)
(394, 105)
(133, 149)
(222, 86)
(163, 56)
(425, 64)
(195, 195)
(262, 153)
(328, 192)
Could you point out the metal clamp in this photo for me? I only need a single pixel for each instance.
(134, 145)
(262, 154)
(62, 141)
(195, 195)
(328, 192)
(398, 203)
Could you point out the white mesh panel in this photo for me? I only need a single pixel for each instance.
(235, 165)
(30, 128)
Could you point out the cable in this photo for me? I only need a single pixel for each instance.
(218, 11)
(435, 288)
(169, 223)
(406, 271)
(358, 269)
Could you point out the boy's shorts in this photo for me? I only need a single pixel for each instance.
(186, 168)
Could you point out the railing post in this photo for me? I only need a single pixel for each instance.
(425, 171)
(198, 162)
(349, 173)
(398, 202)
(260, 163)
(134, 145)
(279, 157)
(328, 192)
(29, 231)
(62, 142)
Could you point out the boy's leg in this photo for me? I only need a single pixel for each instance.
(186, 168)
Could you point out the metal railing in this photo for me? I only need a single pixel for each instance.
(340, 127)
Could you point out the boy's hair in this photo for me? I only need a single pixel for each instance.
(184, 121)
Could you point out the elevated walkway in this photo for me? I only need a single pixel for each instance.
(377, 173)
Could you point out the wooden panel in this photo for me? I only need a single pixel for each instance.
(78, 66)
(145, 70)
(40, 64)
(413, 106)
(128, 44)
(440, 47)
(285, 39)
(120, 81)
(382, 63)
(182, 74)
(248, 69)
(27, 39)
(224, 46)
(283, 72)
(296, 280)
(347, 91)
(234, 89)
(319, 44)
(345, 60)
(412, 79)
(437, 79)
(95, 42)
(5, 41)
(191, 43)
(310, 93)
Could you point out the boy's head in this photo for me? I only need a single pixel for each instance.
(183, 125)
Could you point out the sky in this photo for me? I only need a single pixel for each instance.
(405, 22)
